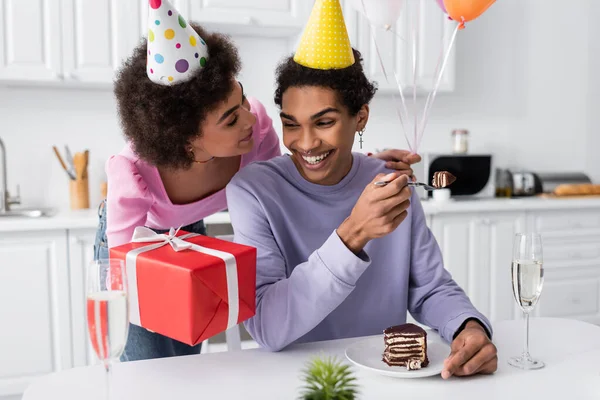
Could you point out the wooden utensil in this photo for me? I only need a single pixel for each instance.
(86, 154)
(62, 163)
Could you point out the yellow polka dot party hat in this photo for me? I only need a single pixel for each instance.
(325, 43)
(175, 51)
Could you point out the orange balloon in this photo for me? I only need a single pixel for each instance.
(466, 10)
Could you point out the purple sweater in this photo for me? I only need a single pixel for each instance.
(310, 287)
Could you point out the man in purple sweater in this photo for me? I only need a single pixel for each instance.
(339, 257)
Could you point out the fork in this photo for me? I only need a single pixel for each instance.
(411, 184)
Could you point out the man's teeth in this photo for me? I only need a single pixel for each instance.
(315, 159)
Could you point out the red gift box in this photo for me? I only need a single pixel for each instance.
(187, 286)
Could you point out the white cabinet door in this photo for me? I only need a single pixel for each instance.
(30, 40)
(571, 293)
(81, 253)
(454, 234)
(395, 47)
(502, 228)
(571, 247)
(34, 309)
(477, 251)
(270, 18)
(276, 17)
(97, 37)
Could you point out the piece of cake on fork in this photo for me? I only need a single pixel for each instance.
(405, 346)
(442, 179)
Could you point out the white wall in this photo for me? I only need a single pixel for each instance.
(592, 143)
(521, 88)
(34, 119)
(525, 88)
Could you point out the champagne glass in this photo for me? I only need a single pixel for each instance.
(527, 282)
(107, 311)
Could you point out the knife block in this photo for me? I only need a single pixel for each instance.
(80, 193)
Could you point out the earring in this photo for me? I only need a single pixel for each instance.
(197, 161)
(360, 137)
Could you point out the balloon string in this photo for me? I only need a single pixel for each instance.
(432, 95)
(399, 84)
(414, 29)
(397, 35)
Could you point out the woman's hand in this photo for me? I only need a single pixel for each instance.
(400, 160)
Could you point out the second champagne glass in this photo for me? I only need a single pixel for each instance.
(527, 275)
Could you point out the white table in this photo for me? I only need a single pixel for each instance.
(570, 349)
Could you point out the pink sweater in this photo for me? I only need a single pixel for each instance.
(137, 196)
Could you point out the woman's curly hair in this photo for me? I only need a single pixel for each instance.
(351, 85)
(161, 121)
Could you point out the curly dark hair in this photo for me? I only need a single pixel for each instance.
(161, 121)
(351, 85)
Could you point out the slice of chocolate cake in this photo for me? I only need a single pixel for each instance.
(405, 346)
(442, 179)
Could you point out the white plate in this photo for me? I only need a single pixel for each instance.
(367, 354)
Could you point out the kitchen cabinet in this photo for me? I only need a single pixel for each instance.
(81, 253)
(69, 42)
(81, 43)
(34, 288)
(571, 243)
(477, 251)
(97, 37)
(30, 40)
(271, 18)
(264, 18)
(434, 33)
(42, 284)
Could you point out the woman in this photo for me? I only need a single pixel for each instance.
(186, 140)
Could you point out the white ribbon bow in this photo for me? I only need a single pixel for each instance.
(141, 234)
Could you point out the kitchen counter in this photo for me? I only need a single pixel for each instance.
(432, 207)
(86, 219)
(67, 219)
(80, 219)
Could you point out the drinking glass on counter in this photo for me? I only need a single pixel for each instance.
(527, 275)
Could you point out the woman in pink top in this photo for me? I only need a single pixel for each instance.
(186, 140)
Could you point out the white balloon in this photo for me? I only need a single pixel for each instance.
(382, 13)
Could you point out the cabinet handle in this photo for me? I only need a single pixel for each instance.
(576, 300)
(575, 255)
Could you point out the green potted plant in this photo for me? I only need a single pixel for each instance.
(328, 379)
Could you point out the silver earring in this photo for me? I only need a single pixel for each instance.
(360, 137)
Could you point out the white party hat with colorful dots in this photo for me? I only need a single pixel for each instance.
(325, 43)
(175, 51)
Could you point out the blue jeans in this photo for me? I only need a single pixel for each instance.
(141, 343)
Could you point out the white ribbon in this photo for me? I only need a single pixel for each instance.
(144, 235)
(141, 234)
